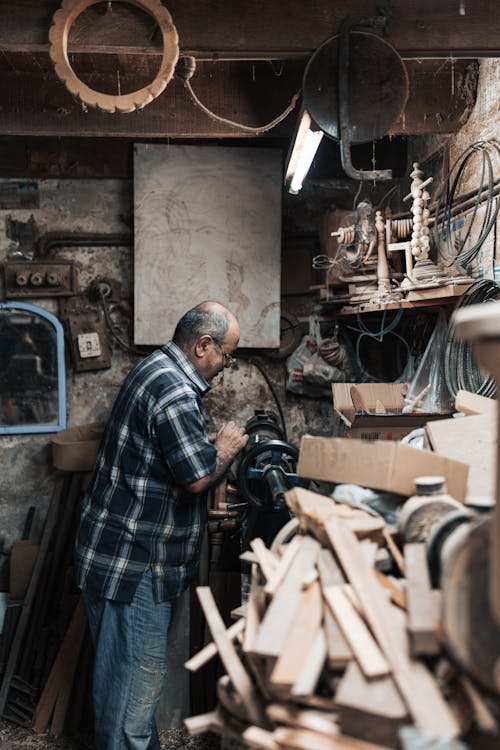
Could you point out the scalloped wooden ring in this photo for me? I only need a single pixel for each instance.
(62, 21)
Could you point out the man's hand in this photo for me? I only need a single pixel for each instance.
(231, 438)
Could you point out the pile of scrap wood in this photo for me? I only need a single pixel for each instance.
(331, 653)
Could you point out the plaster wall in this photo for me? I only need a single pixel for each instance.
(104, 206)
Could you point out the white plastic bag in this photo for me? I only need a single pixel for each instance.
(308, 373)
(428, 392)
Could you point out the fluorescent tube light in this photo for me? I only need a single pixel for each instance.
(305, 146)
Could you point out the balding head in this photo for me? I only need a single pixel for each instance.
(207, 318)
(208, 334)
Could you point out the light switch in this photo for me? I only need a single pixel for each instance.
(89, 345)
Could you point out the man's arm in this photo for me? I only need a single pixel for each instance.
(231, 438)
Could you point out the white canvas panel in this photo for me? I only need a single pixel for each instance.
(207, 225)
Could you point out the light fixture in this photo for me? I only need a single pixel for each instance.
(305, 144)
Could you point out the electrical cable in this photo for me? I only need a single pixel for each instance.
(100, 291)
(264, 374)
(451, 249)
(363, 331)
(185, 69)
(460, 369)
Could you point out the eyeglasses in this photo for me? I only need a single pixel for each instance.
(229, 360)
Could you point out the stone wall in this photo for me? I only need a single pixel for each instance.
(104, 206)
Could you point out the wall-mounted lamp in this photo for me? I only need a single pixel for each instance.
(304, 146)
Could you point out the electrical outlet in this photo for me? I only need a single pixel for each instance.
(49, 278)
(88, 339)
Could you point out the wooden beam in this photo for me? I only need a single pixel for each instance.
(41, 105)
(217, 29)
(249, 93)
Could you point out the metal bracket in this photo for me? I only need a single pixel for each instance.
(343, 102)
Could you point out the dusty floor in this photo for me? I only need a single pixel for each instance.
(16, 738)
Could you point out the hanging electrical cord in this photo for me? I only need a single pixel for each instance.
(99, 291)
(264, 374)
(460, 369)
(185, 69)
(452, 249)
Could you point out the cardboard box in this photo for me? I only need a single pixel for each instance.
(76, 448)
(380, 464)
(474, 441)
(393, 425)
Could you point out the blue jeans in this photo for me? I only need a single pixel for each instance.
(130, 643)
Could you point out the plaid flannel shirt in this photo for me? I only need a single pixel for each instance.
(135, 514)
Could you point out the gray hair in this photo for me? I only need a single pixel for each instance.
(198, 322)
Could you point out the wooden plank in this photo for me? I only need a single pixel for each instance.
(398, 595)
(308, 678)
(320, 507)
(422, 612)
(440, 292)
(210, 650)
(284, 563)
(265, 558)
(369, 709)
(300, 638)
(330, 572)
(280, 614)
(201, 723)
(240, 611)
(55, 696)
(359, 638)
(317, 721)
(248, 557)
(415, 684)
(440, 720)
(259, 738)
(227, 652)
(338, 650)
(255, 611)
(370, 551)
(394, 550)
(209, 29)
(67, 663)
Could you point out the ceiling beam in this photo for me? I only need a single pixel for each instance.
(257, 29)
(440, 98)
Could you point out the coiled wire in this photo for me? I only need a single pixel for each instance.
(451, 248)
(460, 369)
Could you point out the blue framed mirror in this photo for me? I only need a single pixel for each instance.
(32, 370)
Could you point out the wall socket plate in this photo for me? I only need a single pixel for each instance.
(50, 278)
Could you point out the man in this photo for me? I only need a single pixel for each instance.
(143, 519)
